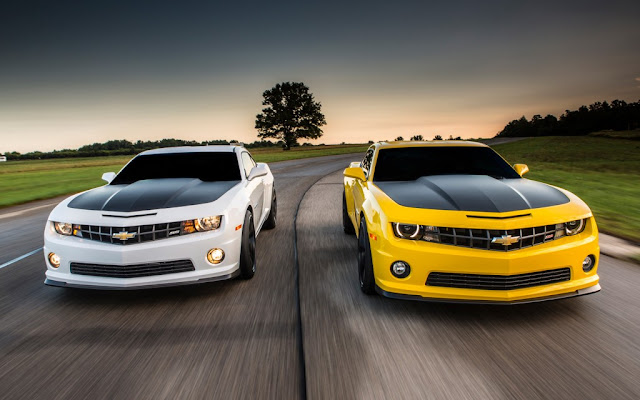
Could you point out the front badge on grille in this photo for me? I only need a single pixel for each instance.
(124, 235)
(506, 240)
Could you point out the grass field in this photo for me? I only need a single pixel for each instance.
(632, 135)
(24, 181)
(604, 172)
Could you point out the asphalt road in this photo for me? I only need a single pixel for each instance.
(238, 339)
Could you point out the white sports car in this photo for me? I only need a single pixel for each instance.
(171, 216)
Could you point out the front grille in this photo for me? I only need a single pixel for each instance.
(482, 238)
(132, 271)
(498, 282)
(140, 233)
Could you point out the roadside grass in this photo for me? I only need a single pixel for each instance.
(604, 172)
(24, 181)
(633, 134)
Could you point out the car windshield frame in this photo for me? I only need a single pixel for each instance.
(208, 166)
(411, 163)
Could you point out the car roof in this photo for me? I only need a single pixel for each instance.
(194, 149)
(435, 143)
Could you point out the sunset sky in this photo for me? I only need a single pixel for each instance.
(74, 73)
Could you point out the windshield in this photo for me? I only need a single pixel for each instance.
(206, 166)
(411, 163)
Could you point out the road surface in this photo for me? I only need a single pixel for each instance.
(239, 339)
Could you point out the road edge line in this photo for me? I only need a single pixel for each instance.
(22, 257)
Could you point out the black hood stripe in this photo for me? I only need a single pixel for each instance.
(151, 194)
(480, 193)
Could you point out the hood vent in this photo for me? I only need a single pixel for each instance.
(129, 216)
(490, 217)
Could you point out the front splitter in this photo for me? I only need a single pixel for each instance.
(232, 275)
(581, 292)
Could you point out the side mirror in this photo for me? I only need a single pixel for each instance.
(521, 169)
(260, 169)
(108, 176)
(355, 172)
(355, 164)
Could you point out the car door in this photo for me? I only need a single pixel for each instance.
(359, 186)
(255, 188)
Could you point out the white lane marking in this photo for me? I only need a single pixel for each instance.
(22, 257)
(16, 213)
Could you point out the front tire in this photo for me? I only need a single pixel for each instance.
(270, 222)
(347, 225)
(365, 264)
(248, 248)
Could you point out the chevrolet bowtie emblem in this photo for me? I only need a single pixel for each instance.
(506, 240)
(123, 235)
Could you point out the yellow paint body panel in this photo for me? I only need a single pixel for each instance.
(379, 210)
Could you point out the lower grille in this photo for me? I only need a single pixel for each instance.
(132, 271)
(498, 282)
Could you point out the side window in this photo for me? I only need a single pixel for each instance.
(366, 162)
(247, 163)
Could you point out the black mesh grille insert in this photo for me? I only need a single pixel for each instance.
(498, 282)
(132, 271)
(489, 239)
(130, 234)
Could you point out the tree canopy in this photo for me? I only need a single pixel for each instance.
(291, 113)
(617, 116)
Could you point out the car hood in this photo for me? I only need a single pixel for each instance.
(151, 194)
(479, 193)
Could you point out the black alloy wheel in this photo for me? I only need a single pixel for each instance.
(347, 225)
(248, 248)
(365, 264)
(270, 222)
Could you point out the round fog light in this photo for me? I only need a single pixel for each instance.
(215, 256)
(54, 260)
(400, 269)
(588, 263)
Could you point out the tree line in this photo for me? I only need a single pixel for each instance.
(125, 147)
(617, 115)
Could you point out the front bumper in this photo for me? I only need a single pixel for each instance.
(425, 258)
(192, 247)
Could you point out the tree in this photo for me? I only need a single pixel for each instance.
(399, 139)
(437, 137)
(291, 113)
(417, 138)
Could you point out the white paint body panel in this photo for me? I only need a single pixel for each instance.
(231, 206)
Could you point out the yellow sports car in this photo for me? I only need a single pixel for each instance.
(453, 221)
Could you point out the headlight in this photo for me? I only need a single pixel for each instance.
(207, 223)
(63, 228)
(574, 227)
(407, 231)
(416, 232)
